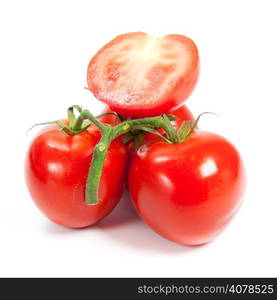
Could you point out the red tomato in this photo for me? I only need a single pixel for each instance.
(57, 166)
(187, 192)
(138, 75)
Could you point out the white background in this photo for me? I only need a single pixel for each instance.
(44, 52)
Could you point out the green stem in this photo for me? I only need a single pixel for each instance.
(85, 114)
(154, 122)
(94, 175)
(170, 131)
(109, 133)
(70, 114)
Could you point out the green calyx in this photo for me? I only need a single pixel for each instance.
(172, 135)
(71, 128)
(132, 129)
(184, 131)
(75, 125)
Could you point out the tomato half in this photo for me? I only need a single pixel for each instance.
(187, 192)
(56, 169)
(138, 75)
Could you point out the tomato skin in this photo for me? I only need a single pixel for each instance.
(177, 92)
(56, 170)
(187, 192)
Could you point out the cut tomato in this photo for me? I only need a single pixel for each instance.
(138, 75)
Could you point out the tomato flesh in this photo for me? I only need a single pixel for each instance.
(187, 192)
(138, 75)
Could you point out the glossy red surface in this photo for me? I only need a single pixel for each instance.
(56, 170)
(187, 192)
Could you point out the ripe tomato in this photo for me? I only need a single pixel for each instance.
(56, 169)
(187, 192)
(139, 76)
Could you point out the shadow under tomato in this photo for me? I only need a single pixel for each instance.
(124, 226)
(123, 214)
(55, 229)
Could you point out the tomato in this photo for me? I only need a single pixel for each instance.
(139, 76)
(187, 192)
(56, 169)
